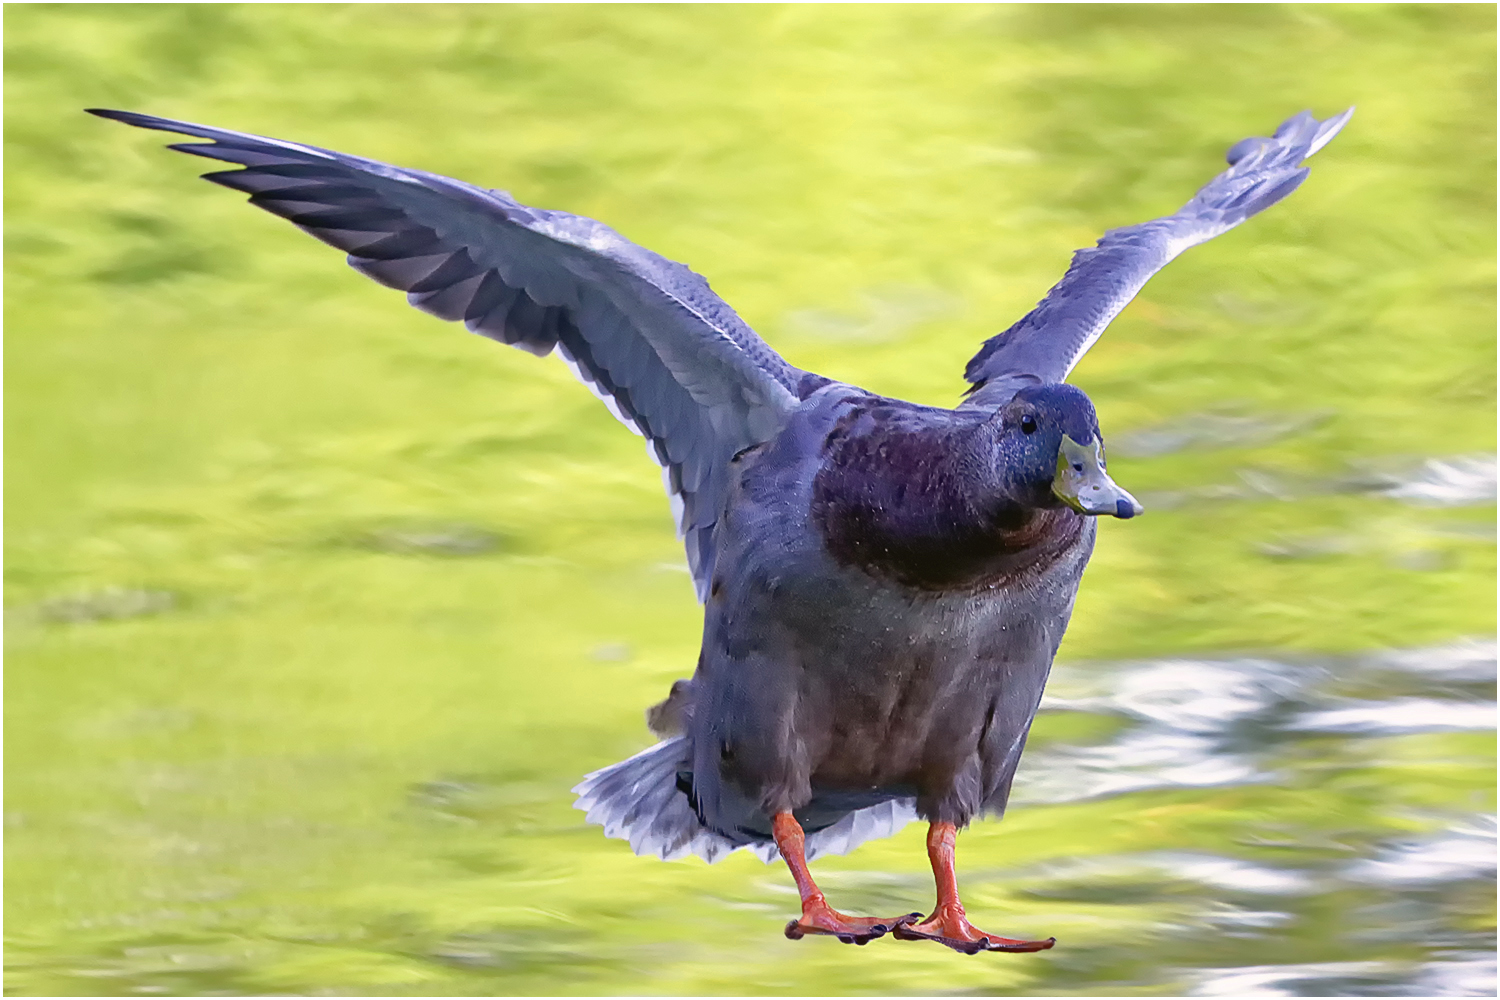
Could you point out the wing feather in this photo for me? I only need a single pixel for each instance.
(648, 336)
(1046, 343)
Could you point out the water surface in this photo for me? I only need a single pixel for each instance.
(317, 608)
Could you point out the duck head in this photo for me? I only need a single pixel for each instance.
(1050, 453)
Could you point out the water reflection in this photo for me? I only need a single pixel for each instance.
(1417, 899)
(1437, 482)
(1456, 481)
(1474, 976)
(1284, 845)
(1217, 722)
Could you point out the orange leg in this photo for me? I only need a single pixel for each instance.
(817, 916)
(949, 924)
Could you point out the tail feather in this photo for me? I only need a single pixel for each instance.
(871, 823)
(638, 800)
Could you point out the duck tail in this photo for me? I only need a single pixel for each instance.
(643, 800)
(640, 800)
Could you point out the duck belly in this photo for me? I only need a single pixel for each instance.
(826, 690)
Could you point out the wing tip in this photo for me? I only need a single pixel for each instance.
(130, 118)
(1328, 128)
(140, 120)
(1301, 133)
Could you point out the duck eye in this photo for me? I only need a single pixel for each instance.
(1028, 424)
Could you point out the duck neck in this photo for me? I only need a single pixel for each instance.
(922, 505)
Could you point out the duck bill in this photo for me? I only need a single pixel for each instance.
(1082, 483)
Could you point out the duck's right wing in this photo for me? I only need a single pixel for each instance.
(1048, 341)
(667, 355)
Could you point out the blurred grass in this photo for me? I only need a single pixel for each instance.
(287, 781)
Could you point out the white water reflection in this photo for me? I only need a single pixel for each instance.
(1197, 696)
(1201, 722)
(1211, 871)
(1204, 722)
(1133, 762)
(1464, 660)
(1461, 853)
(1309, 979)
(1447, 482)
(1452, 481)
(1403, 715)
(1465, 975)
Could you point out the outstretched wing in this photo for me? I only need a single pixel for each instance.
(1048, 341)
(667, 355)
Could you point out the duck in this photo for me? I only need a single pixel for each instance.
(885, 585)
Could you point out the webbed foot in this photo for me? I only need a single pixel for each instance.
(820, 918)
(951, 927)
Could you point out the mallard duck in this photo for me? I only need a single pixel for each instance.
(885, 585)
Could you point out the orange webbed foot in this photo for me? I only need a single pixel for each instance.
(950, 926)
(817, 916)
(820, 918)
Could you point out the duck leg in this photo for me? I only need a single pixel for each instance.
(949, 924)
(817, 916)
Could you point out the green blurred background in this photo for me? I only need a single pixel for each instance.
(316, 607)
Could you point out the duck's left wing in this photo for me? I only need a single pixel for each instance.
(1048, 341)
